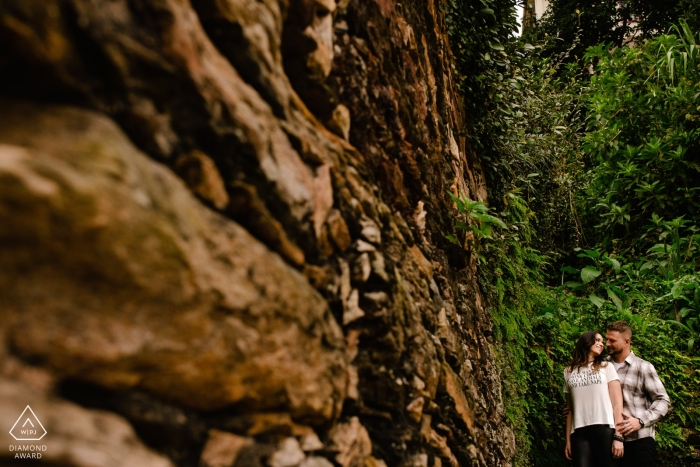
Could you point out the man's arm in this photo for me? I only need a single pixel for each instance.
(656, 392)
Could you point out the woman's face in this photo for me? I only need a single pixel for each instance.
(597, 347)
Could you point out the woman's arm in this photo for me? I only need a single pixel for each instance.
(615, 391)
(569, 416)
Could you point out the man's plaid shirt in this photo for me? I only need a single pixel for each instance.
(643, 393)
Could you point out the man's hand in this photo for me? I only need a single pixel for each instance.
(628, 425)
(618, 449)
(566, 410)
(567, 451)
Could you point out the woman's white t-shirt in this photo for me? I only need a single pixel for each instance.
(590, 396)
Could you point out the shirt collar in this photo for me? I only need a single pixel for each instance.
(630, 358)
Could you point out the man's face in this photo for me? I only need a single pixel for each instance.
(615, 342)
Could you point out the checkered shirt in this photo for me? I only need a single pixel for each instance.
(643, 394)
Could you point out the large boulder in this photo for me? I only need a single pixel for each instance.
(111, 272)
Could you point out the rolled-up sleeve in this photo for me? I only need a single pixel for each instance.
(657, 394)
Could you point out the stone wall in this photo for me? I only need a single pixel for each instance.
(222, 236)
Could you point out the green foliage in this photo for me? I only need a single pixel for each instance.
(582, 24)
(589, 23)
(593, 178)
(475, 222)
(643, 144)
(479, 32)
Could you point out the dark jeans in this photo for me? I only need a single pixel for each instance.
(591, 446)
(640, 453)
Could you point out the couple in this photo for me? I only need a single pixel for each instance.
(611, 404)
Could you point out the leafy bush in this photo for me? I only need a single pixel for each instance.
(643, 138)
(593, 174)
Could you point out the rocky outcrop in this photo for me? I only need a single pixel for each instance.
(222, 222)
(76, 436)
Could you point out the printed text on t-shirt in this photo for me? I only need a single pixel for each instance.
(584, 378)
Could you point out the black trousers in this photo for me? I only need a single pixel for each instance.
(591, 446)
(640, 453)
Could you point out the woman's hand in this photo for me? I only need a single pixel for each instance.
(618, 449)
(567, 451)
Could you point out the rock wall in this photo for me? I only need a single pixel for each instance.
(222, 236)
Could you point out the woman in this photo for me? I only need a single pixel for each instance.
(594, 405)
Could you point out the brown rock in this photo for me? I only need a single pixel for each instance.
(379, 266)
(288, 454)
(113, 273)
(415, 408)
(320, 31)
(361, 268)
(370, 231)
(417, 460)
(203, 178)
(76, 437)
(222, 449)
(422, 261)
(267, 423)
(345, 285)
(352, 392)
(323, 241)
(310, 442)
(247, 207)
(455, 389)
(338, 230)
(352, 341)
(352, 308)
(315, 461)
(374, 462)
(351, 442)
(339, 122)
(323, 197)
(440, 444)
(362, 246)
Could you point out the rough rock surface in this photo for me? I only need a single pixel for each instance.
(227, 216)
(74, 436)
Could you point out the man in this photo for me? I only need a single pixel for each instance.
(645, 399)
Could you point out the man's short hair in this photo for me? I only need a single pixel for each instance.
(622, 327)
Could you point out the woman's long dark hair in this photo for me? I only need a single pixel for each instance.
(580, 355)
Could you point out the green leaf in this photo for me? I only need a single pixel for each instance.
(453, 239)
(596, 300)
(569, 269)
(677, 290)
(680, 325)
(616, 300)
(589, 273)
(478, 206)
(460, 203)
(592, 253)
(615, 264)
(493, 220)
(574, 285)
